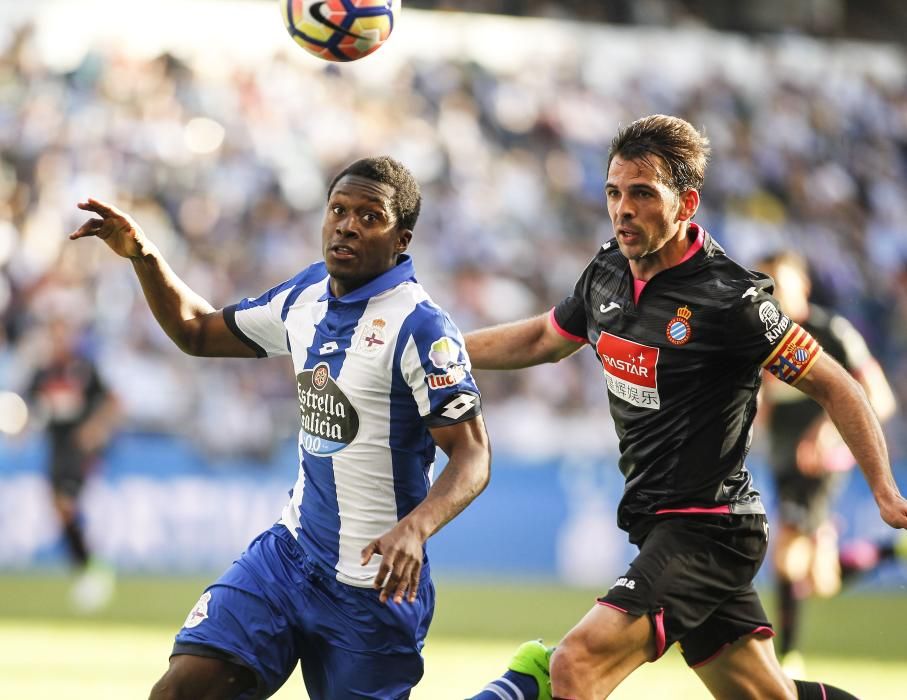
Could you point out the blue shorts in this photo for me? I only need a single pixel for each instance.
(275, 607)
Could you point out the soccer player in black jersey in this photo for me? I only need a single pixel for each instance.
(683, 334)
(808, 459)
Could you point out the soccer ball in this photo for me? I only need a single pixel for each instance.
(339, 30)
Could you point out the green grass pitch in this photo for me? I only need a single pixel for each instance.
(858, 642)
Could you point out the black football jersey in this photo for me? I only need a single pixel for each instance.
(793, 411)
(682, 369)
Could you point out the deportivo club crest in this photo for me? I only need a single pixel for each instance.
(678, 330)
(372, 340)
(199, 613)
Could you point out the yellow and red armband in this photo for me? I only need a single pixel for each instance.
(793, 357)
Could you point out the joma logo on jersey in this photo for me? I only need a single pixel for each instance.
(625, 582)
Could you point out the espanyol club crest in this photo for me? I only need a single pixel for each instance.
(678, 330)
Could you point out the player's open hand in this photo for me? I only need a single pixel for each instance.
(401, 563)
(116, 228)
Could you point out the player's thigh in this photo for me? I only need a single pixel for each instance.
(252, 615)
(361, 647)
(606, 645)
(686, 569)
(203, 678)
(335, 673)
(738, 617)
(747, 670)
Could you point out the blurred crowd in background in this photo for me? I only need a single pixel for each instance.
(879, 20)
(226, 170)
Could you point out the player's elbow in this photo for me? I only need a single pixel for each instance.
(188, 343)
(192, 338)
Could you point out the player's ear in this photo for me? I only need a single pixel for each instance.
(689, 203)
(404, 236)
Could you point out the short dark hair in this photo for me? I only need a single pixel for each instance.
(407, 200)
(683, 150)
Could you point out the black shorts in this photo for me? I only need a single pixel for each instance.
(694, 577)
(69, 466)
(804, 502)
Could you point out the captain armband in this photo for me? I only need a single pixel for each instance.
(793, 357)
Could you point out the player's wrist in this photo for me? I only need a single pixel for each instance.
(418, 526)
(144, 251)
(887, 497)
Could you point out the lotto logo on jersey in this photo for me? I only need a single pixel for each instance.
(630, 370)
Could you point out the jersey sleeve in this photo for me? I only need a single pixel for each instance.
(760, 332)
(259, 323)
(437, 370)
(569, 316)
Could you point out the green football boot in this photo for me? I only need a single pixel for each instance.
(532, 659)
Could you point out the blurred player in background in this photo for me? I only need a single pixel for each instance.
(79, 415)
(682, 332)
(382, 378)
(809, 459)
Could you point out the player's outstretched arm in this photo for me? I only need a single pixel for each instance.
(525, 343)
(465, 477)
(846, 403)
(190, 321)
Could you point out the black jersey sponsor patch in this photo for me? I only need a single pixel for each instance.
(329, 421)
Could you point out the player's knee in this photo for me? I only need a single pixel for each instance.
(564, 663)
(575, 657)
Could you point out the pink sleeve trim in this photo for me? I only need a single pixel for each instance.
(561, 331)
(722, 510)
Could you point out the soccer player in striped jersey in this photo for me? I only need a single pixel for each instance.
(683, 334)
(341, 583)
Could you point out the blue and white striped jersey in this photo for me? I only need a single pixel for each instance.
(374, 369)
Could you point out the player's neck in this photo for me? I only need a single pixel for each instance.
(670, 254)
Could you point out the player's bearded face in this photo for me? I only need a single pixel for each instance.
(641, 207)
(360, 236)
